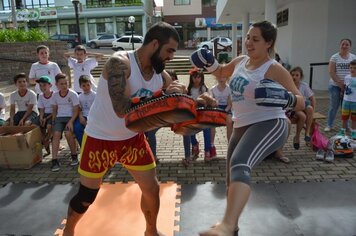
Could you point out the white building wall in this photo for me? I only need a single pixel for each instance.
(170, 9)
(309, 22)
(284, 36)
(341, 24)
(313, 33)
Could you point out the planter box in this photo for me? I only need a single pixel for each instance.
(20, 147)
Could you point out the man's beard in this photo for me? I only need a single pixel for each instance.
(157, 62)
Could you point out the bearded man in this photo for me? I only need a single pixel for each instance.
(107, 140)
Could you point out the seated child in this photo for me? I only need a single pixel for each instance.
(24, 100)
(43, 67)
(65, 105)
(45, 109)
(303, 117)
(86, 99)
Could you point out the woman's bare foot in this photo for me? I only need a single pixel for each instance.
(219, 230)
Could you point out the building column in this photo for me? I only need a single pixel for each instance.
(114, 24)
(86, 29)
(271, 11)
(144, 24)
(245, 27)
(58, 27)
(234, 39)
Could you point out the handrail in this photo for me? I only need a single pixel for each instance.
(312, 69)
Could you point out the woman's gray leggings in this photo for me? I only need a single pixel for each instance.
(249, 145)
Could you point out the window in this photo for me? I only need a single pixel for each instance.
(282, 18)
(181, 2)
(106, 37)
(209, 3)
(124, 40)
(137, 40)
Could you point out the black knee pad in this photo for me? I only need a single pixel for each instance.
(240, 173)
(83, 199)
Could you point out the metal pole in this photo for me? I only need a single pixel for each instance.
(77, 20)
(13, 14)
(132, 36)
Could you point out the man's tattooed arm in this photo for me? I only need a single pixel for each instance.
(115, 72)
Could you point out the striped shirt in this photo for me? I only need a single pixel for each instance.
(342, 66)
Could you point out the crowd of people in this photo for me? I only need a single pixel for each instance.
(53, 105)
(261, 97)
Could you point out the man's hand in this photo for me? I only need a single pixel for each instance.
(42, 122)
(176, 87)
(69, 126)
(22, 122)
(82, 120)
(207, 100)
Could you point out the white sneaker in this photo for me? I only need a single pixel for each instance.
(327, 129)
(320, 155)
(329, 157)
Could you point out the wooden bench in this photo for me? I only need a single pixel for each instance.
(318, 116)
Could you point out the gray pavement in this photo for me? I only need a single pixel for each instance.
(302, 168)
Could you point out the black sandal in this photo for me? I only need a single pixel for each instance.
(295, 144)
(307, 140)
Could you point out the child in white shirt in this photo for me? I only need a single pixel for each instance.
(43, 67)
(45, 108)
(24, 100)
(221, 92)
(86, 99)
(82, 65)
(348, 109)
(65, 105)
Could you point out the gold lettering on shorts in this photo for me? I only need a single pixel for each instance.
(131, 155)
(102, 161)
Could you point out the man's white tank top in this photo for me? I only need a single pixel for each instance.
(103, 123)
(242, 85)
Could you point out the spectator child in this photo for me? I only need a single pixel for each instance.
(65, 105)
(349, 101)
(45, 109)
(86, 99)
(338, 69)
(221, 92)
(2, 109)
(186, 138)
(304, 117)
(25, 101)
(82, 65)
(43, 67)
(197, 87)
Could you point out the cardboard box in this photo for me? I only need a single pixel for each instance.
(20, 147)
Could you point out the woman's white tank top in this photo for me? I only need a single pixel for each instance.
(242, 85)
(103, 123)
